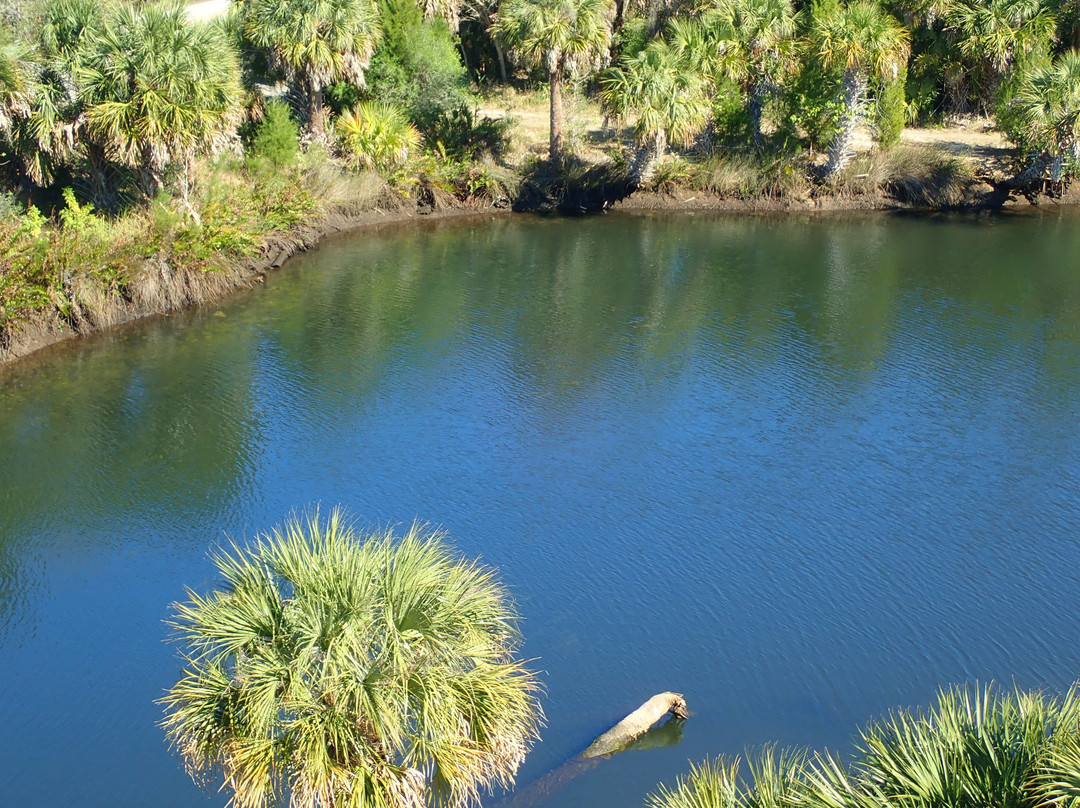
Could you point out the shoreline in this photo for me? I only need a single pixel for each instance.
(161, 290)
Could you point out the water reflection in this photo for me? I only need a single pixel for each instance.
(801, 470)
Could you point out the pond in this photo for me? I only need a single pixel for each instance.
(802, 470)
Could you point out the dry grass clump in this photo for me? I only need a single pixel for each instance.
(915, 175)
(751, 176)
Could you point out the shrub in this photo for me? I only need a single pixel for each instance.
(276, 141)
(890, 111)
(376, 134)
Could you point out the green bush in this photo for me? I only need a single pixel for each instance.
(455, 133)
(417, 65)
(890, 111)
(276, 142)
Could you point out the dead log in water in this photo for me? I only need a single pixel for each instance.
(637, 723)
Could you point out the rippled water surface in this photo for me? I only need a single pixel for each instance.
(801, 470)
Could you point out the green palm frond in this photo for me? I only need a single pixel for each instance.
(571, 35)
(711, 784)
(861, 37)
(1048, 105)
(316, 41)
(667, 94)
(157, 87)
(345, 669)
(377, 134)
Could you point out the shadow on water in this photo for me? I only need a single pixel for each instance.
(669, 733)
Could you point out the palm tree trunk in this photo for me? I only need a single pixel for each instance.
(757, 93)
(1032, 174)
(646, 159)
(316, 110)
(840, 150)
(555, 146)
(502, 59)
(102, 194)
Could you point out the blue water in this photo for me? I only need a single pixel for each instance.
(801, 470)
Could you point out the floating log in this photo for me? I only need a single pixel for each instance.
(636, 724)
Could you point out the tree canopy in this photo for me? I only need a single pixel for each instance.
(346, 669)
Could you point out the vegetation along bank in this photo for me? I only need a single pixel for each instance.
(156, 156)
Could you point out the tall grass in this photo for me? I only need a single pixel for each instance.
(976, 747)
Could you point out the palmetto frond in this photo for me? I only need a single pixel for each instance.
(1049, 105)
(317, 41)
(861, 37)
(1000, 31)
(758, 36)
(559, 34)
(158, 88)
(376, 134)
(667, 94)
(352, 670)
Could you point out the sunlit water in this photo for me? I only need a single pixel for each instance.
(801, 470)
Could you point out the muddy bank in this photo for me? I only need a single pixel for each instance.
(160, 289)
(981, 197)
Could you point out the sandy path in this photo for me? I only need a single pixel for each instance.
(207, 9)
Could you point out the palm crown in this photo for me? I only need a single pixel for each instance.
(351, 671)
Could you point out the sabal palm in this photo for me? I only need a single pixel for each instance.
(757, 42)
(48, 131)
(667, 95)
(566, 37)
(158, 88)
(863, 40)
(316, 43)
(350, 670)
(994, 35)
(1048, 105)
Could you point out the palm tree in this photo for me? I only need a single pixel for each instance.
(1048, 108)
(51, 128)
(668, 96)
(994, 36)
(862, 39)
(376, 134)
(757, 42)
(159, 88)
(351, 670)
(567, 37)
(316, 43)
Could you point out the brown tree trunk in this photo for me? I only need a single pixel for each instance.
(555, 146)
(646, 159)
(102, 194)
(316, 111)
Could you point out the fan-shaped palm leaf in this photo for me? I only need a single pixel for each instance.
(351, 670)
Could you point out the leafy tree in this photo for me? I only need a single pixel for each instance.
(315, 43)
(669, 98)
(376, 134)
(416, 64)
(159, 88)
(566, 37)
(351, 670)
(863, 40)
